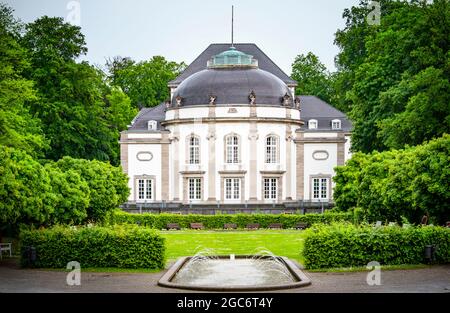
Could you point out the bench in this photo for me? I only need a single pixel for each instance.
(275, 226)
(197, 226)
(173, 226)
(301, 226)
(5, 247)
(230, 226)
(252, 226)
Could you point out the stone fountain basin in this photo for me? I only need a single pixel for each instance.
(299, 279)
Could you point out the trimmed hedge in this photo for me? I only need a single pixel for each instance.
(117, 246)
(346, 245)
(159, 221)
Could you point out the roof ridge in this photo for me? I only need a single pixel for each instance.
(287, 79)
(273, 62)
(326, 103)
(198, 57)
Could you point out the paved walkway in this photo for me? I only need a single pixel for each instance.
(14, 279)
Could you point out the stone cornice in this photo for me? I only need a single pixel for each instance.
(144, 141)
(231, 106)
(334, 131)
(232, 172)
(233, 120)
(192, 172)
(321, 140)
(272, 172)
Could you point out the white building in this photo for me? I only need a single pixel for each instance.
(233, 133)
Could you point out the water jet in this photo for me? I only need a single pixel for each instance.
(260, 272)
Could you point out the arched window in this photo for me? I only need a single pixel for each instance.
(194, 149)
(312, 124)
(336, 124)
(232, 149)
(271, 149)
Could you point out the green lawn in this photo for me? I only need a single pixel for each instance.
(286, 243)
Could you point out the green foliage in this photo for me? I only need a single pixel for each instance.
(312, 77)
(81, 115)
(393, 78)
(144, 82)
(73, 112)
(50, 39)
(160, 221)
(120, 110)
(72, 196)
(388, 185)
(71, 191)
(118, 246)
(347, 245)
(18, 128)
(108, 185)
(25, 190)
(427, 109)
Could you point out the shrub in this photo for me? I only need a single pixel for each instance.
(117, 246)
(388, 185)
(159, 221)
(345, 245)
(70, 191)
(25, 189)
(108, 185)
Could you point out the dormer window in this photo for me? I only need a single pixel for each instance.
(312, 124)
(336, 124)
(152, 125)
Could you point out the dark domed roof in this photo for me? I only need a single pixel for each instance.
(231, 86)
(230, 78)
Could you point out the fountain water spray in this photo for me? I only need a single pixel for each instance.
(205, 268)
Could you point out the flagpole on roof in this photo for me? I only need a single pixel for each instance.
(232, 26)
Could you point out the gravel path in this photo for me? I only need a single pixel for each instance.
(14, 279)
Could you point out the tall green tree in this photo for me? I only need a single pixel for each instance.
(427, 110)
(80, 117)
(120, 112)
(144, 82)
(412, 37)
(18, 127)
(312, 77)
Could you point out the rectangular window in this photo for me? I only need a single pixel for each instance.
(320, 188)
(336, 124)
(315, 188)
(195, 188)
(148, 189)
(312, 124)
(145, 189)
(232, 188)
(270, 188)
(232, 149)
(194, 155)
(271, 149)
(194, 150)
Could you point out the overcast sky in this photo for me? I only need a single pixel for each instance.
(181, 29)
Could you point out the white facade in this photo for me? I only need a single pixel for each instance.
(144, 156)
(203, 148)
